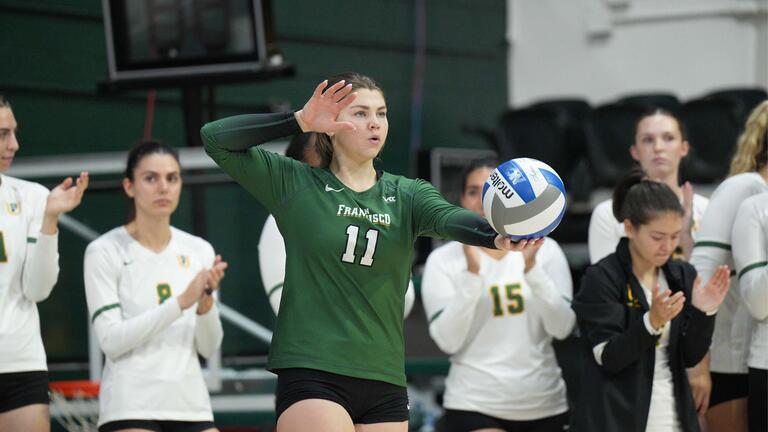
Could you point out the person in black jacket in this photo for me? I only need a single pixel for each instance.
(644, 318)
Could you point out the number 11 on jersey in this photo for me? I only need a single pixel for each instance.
(371, 236)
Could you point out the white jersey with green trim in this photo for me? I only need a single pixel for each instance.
(605, 231)
(152, 370)
(749, 240)
(272, 267)
(29, 267)
(733, 326)
(498, 328)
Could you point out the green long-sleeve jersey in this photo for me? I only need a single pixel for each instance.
(348, 253)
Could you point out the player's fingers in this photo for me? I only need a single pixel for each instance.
(319, 89)
(330, 91)
(65, 184)
(343, 125)
(342, 93)
(343, 103)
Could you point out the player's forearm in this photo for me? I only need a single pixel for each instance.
(41, 267)
(449, 326)
(626, 348)
(118, 336)
(238, 133)
(555, 310)
(469, 228)
(208, 332)
(697, 335)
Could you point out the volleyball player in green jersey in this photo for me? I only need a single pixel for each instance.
(349, 231)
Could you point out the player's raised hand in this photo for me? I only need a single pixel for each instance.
(529, 253)
(664, 306)
(320, 112)
(195, 289)
(66, 195)
(216, 274)
(708, 298)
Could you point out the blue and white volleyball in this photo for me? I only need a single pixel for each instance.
(524, 198)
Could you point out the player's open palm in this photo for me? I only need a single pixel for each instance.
(66, 195)
(195, 289)
(664, 306)
(708, 297)
(216, 274)
(506, 243)
(320, 112)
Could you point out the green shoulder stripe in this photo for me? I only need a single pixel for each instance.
(752, 267)
(274, 289)
(103, 309)
(714, 244)
(437, 314)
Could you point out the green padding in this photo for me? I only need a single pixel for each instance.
(274, 288)
(715, 244)
(752, 267)
(104, 309)
(437, 314)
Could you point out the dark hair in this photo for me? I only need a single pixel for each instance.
(491, 163)
(4, 102)
(640, 199)
(138, 152)
(359, 81)
(665, 112)
(298, 146)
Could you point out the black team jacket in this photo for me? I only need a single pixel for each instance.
(616, 396)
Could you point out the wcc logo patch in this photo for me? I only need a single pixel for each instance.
(183, 261)
(14, 208)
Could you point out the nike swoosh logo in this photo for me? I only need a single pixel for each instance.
(330, 189)
(127, 263)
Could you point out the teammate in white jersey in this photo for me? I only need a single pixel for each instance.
(731, 341)
(29, 267)
(149, 290)
(272, 244)
(750, 254)
(495, 313)
(660, 144)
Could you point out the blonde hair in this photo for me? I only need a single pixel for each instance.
(323, 144)
(752, 148)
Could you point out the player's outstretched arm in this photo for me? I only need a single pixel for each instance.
(41, 263)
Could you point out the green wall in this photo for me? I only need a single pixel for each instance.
(54, 55)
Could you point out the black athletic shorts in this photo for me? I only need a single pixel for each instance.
(757, 405)
(464, 421)
(157, 425)
(727, 387)
(366, 401)
(18, 389)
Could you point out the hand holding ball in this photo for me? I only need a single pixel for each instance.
(524, 199)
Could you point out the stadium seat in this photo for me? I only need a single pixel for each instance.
(610, 133)
(547, 134)
(744, 99)
(713, 127)
(665, 101)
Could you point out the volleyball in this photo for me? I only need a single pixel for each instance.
(524, 198)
